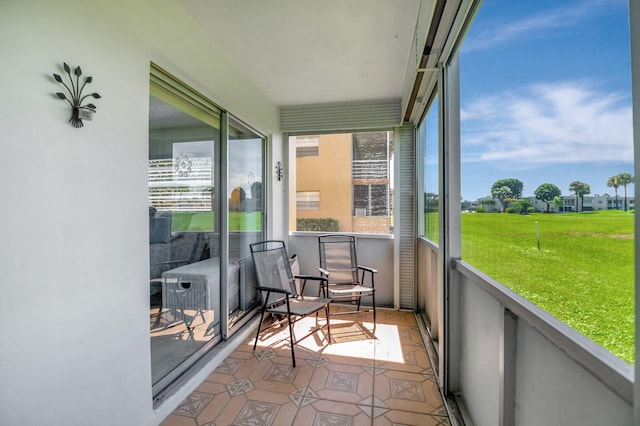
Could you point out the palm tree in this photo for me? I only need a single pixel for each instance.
(613, 182)
(625, 179)
(581, 189)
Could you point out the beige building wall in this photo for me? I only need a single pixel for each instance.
(372, 224)
(333, 164)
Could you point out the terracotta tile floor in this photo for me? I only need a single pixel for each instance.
(361, 378)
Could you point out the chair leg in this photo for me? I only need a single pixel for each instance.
(293, 355)
(262, 312)
(326, 310)
(258, 332)
(373, 297)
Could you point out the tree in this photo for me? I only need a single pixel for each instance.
(547, 192)
(486, 202)
(559, 202)
(256, 194)
(625, 179)
(502, 194)
(523, 206)
(238, 195)
(581, 189)
(507, 190)
(613, 182)
(430, 202)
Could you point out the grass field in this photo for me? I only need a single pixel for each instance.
(203, 221)
(583, 272)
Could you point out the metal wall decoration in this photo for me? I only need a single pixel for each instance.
(75, 99)
(279, 171)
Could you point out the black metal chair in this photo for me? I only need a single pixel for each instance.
(277, 285)
(339, 265)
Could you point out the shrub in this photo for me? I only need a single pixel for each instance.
(318, 224)
(481, 210)
(510, 210)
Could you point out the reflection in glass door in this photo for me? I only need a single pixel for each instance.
(245, 154)
(184, 236)
(202, 282)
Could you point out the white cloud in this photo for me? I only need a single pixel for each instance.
(548, 124)
(535, 25)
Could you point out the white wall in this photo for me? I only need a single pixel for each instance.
(278, 215)
(373, 251)
(74, 251)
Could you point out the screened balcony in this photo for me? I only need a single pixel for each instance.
(77, 257)
(498, 358)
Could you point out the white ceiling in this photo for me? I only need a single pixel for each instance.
(314, 51)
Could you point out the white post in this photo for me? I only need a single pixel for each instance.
(634, 21)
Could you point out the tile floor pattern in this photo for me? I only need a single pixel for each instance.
(361, 378)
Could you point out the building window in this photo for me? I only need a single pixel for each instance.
(370, 200)
(352, 171)
(308, 200)
(307, 146)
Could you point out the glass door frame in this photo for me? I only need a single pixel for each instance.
(227, 329)
(177, 89)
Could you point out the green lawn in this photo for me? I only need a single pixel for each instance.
(583, 273)
(241, 221)
(203, 221)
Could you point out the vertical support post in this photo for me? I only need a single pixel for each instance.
(450, 227)
(289, 152)
(507, 365)
(404, 289)
(634, 24)
(223, 225)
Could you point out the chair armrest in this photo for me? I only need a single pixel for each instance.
(368, 269)
(311, 277)
(324, 282)
(372, 271)
(324, 272)
(275, 290)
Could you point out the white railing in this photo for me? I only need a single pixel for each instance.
(517, 364)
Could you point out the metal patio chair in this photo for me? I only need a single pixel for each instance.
(339, 265)
(277, 285)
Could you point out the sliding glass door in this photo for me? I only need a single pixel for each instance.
(205, 207)
(245, 154)
(184, 236)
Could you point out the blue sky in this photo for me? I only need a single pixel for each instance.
(546, 95)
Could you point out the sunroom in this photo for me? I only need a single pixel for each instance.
(220, 124)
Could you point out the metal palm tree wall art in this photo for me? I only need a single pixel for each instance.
(75, 99)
